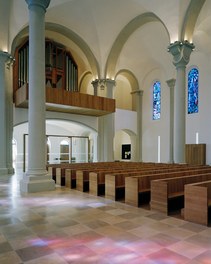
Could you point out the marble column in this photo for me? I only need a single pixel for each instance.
(171, 85)
(139, 110)
(36, 178)
(106, 129)
(4, 57)
(181, 55)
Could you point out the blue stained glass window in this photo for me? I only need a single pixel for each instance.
(156, 100)
(193, 78)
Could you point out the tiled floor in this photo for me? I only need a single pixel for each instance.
(67, 226)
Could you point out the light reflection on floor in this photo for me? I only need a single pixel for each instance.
(67, 226)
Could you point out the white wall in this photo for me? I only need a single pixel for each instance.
(125, 119)
(154, 128)
(122, 93)
(201, 121)
(21, 116)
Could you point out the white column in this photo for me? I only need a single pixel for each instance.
(139, 110)
(171, 85)
(36, 178)
(110, 84)
(106, 130)
(95, 151)
(181, 55)
(9, 111)
(100, 139)
(4, 56)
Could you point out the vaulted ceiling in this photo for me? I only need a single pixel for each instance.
(107, 36)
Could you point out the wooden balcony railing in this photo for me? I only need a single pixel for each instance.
(69, 102)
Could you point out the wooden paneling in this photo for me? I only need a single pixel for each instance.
(175, 188)
(72, 102)
(195, 154)
(197, 198)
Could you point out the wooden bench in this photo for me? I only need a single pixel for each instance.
(57, 171)
(168, 192)
(115, 183)
(87, 180)
(53, 169)
(97, 178)
(197, 202)
(137, 188)
(84, 182)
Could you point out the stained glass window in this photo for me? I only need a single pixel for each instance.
(193, 78)
(156, 100)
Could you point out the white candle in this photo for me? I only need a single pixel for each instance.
(158, 148)
(197, 138)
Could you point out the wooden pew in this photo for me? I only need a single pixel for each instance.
(70, 178)
(197, 202)
(83, 182)
(137, 188)
(57, 171)
(88, 179)
(115, 183)
(165, 192)
(53, 169)
(97, 178)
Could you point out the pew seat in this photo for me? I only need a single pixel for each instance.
(197, 205)
(164, 190)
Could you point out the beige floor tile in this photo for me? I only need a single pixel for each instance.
(10, 258)
(50, 259)
(67, 226)
(187, 249)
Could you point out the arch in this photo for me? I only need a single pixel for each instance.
(63, 130)
(132, 141)
(64, 142)
(83, 77)
(124, 36)
(131, 78)
(58, 119)
(191, 16)
(70, 35)
(129, 132)
(134, 86)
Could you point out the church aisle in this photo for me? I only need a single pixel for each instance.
(67, 226)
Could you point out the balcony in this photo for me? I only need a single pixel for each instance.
(60, 100)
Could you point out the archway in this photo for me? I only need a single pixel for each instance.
(78, 136)
(125, 145)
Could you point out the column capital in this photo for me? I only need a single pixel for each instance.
(171, 83)
(5, 57)
(95, 84)
(103, 82)
(181, 51)
(41, 3)
(138, 92)
(110, 82)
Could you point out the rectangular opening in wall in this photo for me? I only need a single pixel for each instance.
(126, 152)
